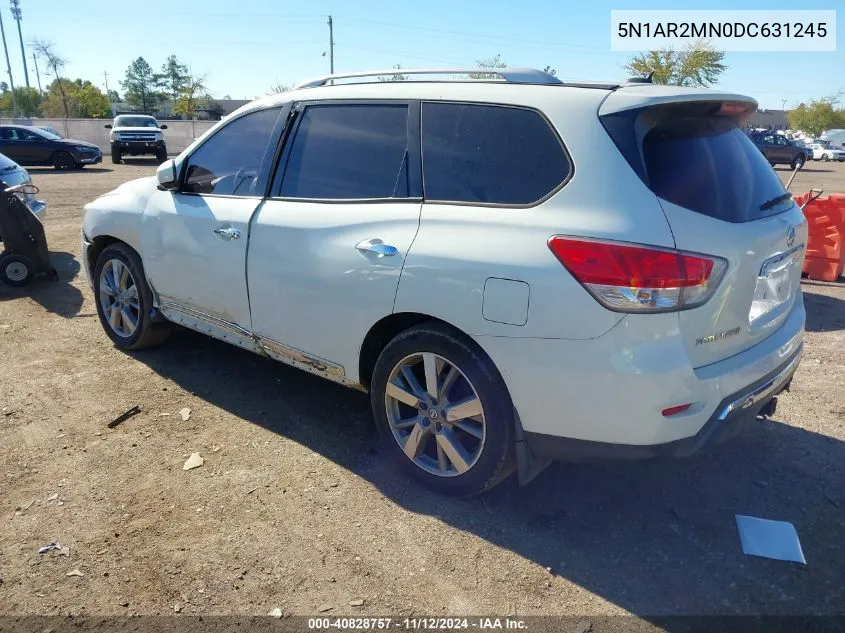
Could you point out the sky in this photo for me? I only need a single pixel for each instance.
(246, 46)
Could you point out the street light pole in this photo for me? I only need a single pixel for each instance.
(16, 13)
(8, 67)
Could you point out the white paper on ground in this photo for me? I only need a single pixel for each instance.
(770, 539)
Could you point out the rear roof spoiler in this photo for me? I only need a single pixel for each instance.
(633, 96)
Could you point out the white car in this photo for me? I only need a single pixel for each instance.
(825, 152)
(517, 269)
(134, 135)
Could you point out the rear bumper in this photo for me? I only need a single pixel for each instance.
(731, 417)
(607, 394)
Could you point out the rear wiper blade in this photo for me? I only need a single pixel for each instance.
(768, 204)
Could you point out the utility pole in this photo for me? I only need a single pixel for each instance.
(37, 74)
(783, 104)
(331, 46)
(16, 13)
(106, 76)
(8, 67)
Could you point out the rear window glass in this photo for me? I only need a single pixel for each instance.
(703, 163)
(489, 154)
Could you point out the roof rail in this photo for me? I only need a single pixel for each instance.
(509, 75)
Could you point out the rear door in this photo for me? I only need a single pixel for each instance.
(327, 248)
(721, 198)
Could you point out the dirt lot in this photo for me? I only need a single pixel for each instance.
(294, 509)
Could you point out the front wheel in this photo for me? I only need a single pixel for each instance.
(115, 155)
(124, 299)
(16, 270)
(797, 162)
(444, 410)
(825, 157)
(63, 161)
(161, 154)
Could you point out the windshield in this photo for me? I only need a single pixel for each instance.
(699, 160)
(135, 121)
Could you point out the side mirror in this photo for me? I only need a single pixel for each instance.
(168, 175)
(107, 126)
(162, 127)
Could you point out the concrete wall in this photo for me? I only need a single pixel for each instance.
(178, 135)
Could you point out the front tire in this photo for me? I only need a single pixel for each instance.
(444, 411)
(825, 157)
(797, 162)
(115, 155)
(16, 270)
(161, 154)
(63, 161)
(124, 299)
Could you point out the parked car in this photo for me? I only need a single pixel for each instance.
(826, 152)
(779, 150)
(432, 243)
(12, 174)
(32, 146)
(135, 135)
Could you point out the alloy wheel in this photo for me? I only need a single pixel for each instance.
(119, 298)
(435, 414)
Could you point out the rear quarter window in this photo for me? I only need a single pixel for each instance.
(489, 154)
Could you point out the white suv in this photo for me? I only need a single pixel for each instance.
(517, 269)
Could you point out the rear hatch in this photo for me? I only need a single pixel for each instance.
(721, 198)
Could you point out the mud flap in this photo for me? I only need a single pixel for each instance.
(527, 465)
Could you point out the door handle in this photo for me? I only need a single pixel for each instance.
(376, 247)
(228, 233)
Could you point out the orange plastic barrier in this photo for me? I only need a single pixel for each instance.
(826, 218)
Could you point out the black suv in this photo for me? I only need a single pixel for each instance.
(779, 150)
(27, 145)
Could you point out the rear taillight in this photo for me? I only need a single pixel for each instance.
(629, 278)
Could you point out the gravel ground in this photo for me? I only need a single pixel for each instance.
(294, 509)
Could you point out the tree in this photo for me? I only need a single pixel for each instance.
(173, 77)
(550, 70)
(214, 109)
(113, 96)
(490, 62)
(279, 87)
(698, 65)
(140, 85)
(47, 53)
(395, 77)
(4, 87)
(91, 103)
(191, 97)
(28, 101)
(817, 116)
(82, 99)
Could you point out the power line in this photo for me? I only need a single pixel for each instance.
(478, 36)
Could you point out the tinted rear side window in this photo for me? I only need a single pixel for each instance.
(700, 161)
(489, 154)
(349, 152)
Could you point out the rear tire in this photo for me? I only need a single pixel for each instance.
(16, 270)
(125, 314)
(825, 157)
(63, 161)
(797, 162)
(459, 456)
